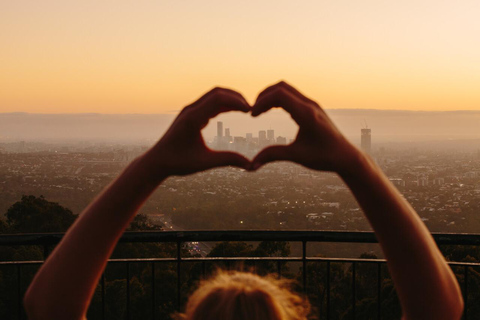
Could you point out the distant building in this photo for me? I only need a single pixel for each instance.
(271, 135)
(281, 140)
(222, 142)
(228, 138)
(239, 144)
(366, 142)
(423, 182)
(239, 140)
(219, 130)
(262, 136)
(249, 137)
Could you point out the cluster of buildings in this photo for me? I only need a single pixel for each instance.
(245, 144)
(442, 186)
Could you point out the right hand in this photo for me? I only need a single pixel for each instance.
(319, 144)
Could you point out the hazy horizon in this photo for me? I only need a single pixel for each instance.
(386, 125)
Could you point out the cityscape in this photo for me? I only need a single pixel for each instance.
(248, 144)
(443, 187)
(251, 145)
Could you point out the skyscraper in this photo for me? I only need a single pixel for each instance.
(262, 136)
(271, 135)
(219, 130)
(228, 138)
(366, 142)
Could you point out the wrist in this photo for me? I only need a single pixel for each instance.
(355, 164)
(150, 168)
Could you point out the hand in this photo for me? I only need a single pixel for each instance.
(182, 150)
(319, 144)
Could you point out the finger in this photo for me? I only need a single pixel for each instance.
(270, 154)
(217, 101)
(290, 88)
(299, 95)
(226, 99)
(279, 96)
(226, 158)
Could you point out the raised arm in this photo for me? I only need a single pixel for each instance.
(64, 285)
(426, 286)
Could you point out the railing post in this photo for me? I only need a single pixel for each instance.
(19, 291)
(328, 290)
(465, 310)
(179, 259)
(153, 292)
(45, 251)
(128, 291)
(304, 263)
(354, 275)
(379, 290)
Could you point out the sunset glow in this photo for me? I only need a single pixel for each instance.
(157, 56)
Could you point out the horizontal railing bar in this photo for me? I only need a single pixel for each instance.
(221, 259)
(241, 235)
(21, 262)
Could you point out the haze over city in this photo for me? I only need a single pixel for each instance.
(387, 126)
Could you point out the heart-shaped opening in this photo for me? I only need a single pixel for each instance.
(247, 135)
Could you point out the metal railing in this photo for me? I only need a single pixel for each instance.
(180, 238)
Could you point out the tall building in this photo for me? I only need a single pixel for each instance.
(249, 137)
(366, 142)
(219, 130)
(228, 138)
(262, 136)
(271, 135)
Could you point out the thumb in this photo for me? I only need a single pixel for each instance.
(270, 154)
(225, 158)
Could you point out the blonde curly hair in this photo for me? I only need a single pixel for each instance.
(237, 295)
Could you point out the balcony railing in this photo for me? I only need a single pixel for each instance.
(308, 274)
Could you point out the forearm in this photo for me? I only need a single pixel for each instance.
(426, 285)
(64, 285)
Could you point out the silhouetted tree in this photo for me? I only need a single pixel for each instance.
(32, 214)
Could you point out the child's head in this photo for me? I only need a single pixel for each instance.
(245, 296)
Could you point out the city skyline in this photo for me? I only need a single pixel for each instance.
(266, 134)
(390, 126)
(248, 143)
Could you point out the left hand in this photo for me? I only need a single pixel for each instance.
(182, 150)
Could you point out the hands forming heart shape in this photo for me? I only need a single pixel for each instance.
(319, 144)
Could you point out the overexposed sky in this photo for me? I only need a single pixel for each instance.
(157, 56)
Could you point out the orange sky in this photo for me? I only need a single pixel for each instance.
(157, 56)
